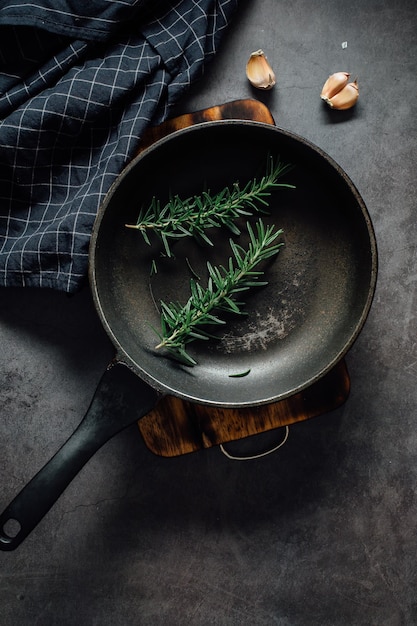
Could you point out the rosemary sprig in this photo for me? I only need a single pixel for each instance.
(181, 324)
(194, 215)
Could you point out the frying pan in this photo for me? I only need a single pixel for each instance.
(319, 292)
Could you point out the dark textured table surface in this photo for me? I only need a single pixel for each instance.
(323, 532)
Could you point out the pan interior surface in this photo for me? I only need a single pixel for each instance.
(320, 285)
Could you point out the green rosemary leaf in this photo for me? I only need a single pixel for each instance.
(166, 244)
(199, 335)
(146, 238)
(169, 312)
(240, 375)
(233, 228)
(183, 357)
(204, 237)
(193, 272)
(230, 305)
(212, 319)
(237, 250)
(267, 254)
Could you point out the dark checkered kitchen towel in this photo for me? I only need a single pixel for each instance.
(79, 83)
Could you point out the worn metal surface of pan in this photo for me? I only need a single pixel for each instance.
(319, 293)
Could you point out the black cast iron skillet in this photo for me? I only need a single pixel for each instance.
(319, 292)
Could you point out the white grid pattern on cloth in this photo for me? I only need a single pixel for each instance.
(63, 147)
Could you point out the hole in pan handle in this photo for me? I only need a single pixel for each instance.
(120, 400)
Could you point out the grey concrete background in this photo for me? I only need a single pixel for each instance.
(323, 532)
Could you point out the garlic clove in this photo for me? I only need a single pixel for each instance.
(346, 98)
(259, 72)
(334, 84)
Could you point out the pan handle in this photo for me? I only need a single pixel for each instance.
(121, 399)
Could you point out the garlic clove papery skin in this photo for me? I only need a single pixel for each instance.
(335, 83)
(259, 72)
(346, 98)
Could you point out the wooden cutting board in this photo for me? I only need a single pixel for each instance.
(177, 427)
